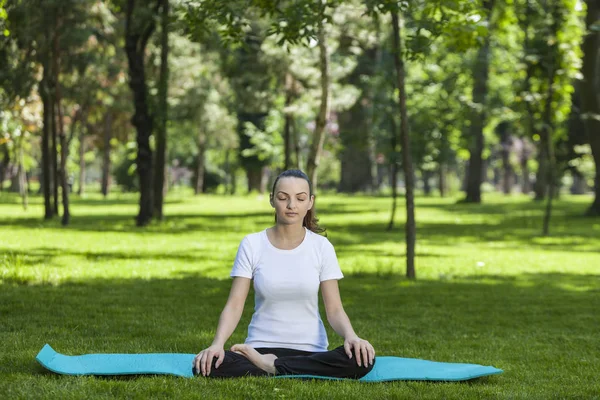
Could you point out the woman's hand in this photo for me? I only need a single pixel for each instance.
(365, 353)
(203, 361)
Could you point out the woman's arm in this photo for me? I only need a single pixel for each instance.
(339, 321)
(232, 312)
(230, 316)
(337, 317)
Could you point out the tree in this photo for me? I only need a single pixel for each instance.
(293, 23)
(139, 26)
(161, 132)
(318, 139)
(40, 36)
(410, 227)
(478, 115)
(590, 87)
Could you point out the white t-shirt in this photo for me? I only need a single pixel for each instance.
(286, 285)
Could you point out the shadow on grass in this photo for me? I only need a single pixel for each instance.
(174, 224)
(93, 199)
(46, 255)
(518, 223)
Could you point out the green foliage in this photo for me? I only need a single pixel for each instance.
(459, 23)
(553, 38)
(233, 71)
(292, 22)
(267, 144)
(199, 99)
(125, 169)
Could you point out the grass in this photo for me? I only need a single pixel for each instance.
(490, 291)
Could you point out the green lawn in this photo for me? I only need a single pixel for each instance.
(490, 291)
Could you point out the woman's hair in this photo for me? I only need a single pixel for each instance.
(310, 219)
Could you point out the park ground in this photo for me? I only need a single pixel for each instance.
(490, 290)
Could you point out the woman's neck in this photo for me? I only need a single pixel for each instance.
(288, 234)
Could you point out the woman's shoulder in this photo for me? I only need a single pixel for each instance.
(254, 236)
(252, 240)
(318, 239)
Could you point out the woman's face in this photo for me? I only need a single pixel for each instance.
(291, 200)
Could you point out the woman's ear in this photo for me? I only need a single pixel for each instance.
(312, 201)
(271, 200)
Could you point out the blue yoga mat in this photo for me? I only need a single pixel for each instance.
(385, 369)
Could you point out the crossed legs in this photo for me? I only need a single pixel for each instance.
(244, 360)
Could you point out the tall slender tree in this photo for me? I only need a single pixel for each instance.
(318, 138)
(590, 87)
(161, 132)
(139, 26)
(478, 112)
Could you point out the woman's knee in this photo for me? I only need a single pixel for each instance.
(353, 370)
(363, 369)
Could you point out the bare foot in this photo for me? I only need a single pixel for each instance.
(266, 362)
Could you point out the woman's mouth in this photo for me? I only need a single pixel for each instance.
(291, 214)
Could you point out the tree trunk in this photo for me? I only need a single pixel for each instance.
(54, 147)
(442, 179)
(539, 186)
(135, 47)
(578, 187)
(228, 171)
(479, 115)
(266, 175)
(254, 177)
(66, 216)
(81, 188)
(507, 170)
(355, 154)
(319, 135)
(46, 170)
(526, 184)
(548, 130)
(233, 177)
(590, 86)
(199, 186)
(14, 179)
(541, 176)
(393, 170)
(296, 142)
(372, 120)
(287, 139)
(23, 187)
(107, 134)
(426, 175)
(4, 165)
(410, 228)
(524, 161)
(161, 132)
(252, 164)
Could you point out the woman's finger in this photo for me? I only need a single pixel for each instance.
(197, 363)
(371, 351)
(357, 353)
(220, 359)
(348, 349)
(365, 355)
(209, 360)
(203, 364)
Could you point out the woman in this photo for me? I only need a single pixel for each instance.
(288, 262)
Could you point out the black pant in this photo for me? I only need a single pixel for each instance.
(334, 363)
